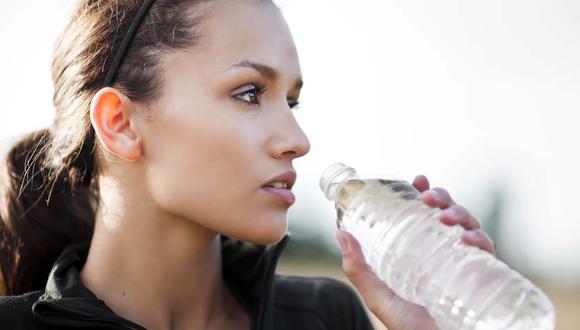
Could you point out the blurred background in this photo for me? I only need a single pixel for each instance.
(482, 97)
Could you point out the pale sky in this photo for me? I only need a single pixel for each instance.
(469, 93)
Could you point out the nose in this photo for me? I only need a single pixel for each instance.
(288, 140)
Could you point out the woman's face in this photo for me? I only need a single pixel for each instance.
(224, 126)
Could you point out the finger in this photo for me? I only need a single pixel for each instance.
(421, 183)
(374, 292)
(479, 238)
(389, 308)
(458, 215)
(437, 197)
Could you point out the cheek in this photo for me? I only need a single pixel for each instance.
(198, 165)
(207, 170)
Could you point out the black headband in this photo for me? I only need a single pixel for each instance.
(120, 55)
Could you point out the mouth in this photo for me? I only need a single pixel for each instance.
(285, 195)
(277, 185)
(285, 180)
(280, 187)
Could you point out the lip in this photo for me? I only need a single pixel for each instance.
(289, 177)
(285, 195)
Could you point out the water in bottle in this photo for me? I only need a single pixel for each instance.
(425, 262)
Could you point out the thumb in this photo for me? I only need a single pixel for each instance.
(374, 292)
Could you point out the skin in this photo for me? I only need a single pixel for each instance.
(190, 165)
(180, 170)
(394, 312)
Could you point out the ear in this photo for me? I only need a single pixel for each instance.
(111, 114)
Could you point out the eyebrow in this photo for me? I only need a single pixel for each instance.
(266, 71)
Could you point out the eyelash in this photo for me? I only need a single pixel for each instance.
(258, 90)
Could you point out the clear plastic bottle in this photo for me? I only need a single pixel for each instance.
(425, 262)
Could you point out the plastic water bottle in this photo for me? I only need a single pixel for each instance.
(425, 262)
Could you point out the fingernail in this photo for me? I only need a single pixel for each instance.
(341, 239)
(472, 234)
(435, 194)
(455, 215)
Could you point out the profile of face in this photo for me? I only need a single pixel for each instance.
(224, 126)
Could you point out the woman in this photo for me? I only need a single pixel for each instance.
(149, 203)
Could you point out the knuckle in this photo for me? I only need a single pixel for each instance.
(350, 270)
(476, 223)
(459, 211)
(448, 214)
(356, 272)
(489, 243)
(478, 233)
(377, 307)
(470, 218)
(485, 236)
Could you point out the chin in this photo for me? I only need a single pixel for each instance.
(268, 235)
(270, 239)
(263, 233)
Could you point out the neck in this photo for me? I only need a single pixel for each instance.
(159, 271)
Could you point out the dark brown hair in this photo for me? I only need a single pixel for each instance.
(48, 186)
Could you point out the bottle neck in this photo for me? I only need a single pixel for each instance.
(333, 176)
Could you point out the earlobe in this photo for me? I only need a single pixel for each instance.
(110, 113)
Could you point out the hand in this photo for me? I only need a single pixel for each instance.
(394, 312)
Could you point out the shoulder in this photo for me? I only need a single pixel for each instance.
(17, 311)
(330, 302)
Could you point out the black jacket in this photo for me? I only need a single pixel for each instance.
(273, 301)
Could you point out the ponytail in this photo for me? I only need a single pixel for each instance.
(48, 182)
(42, 211)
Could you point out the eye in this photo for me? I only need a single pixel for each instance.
(249, 93)
(293, 104)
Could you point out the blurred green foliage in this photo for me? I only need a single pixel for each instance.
(309, 247)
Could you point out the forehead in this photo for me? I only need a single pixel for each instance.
(236, 30)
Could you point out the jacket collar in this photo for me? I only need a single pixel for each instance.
(248, 269)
